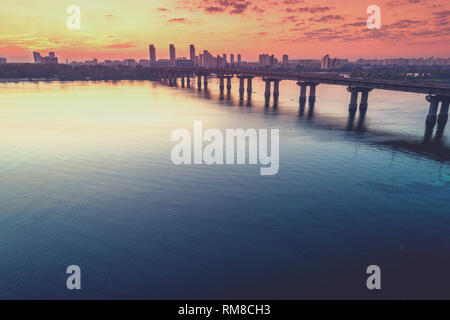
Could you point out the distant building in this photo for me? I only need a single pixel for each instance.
(192, 52)
(172, 54)
(329, 64)
(130, 63)
(93, 62)
(184, 63)
(163, 63)
(232, 59)
(266, 60)
(50, 59)
(152, 51)
(285, 59)
(239, 59)
(144, 63)
(207, 60)
(3, 61)
(325, 62)
(37, 57)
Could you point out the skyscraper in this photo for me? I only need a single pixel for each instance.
(152, 51)
(239, 59)
(231, 59)
(192, 52)
(37, 57)
(172, 55)
(325, 62)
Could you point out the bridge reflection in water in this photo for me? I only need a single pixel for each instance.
(430, 146)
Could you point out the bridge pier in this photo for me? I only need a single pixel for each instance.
(432, 111)
(222, 84)
(172, 80)
(312, 92)
(364, 100)
(241, 85)
(353, 106)
(199, 81)
(249, 85)
(267, 91)
(205, 81)
(188, 80)
(443, 114)
(229, 84)
(182, 81)
(303, 86)
(276, 89)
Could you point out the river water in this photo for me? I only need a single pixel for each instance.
(86, 179)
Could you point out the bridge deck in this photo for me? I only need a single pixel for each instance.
(405, 86)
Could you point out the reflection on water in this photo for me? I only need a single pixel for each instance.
(86, 179)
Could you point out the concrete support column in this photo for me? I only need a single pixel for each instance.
(353, 99)
(172, 80)
(188, 79)
(249, 85)
(229, 83)
(199, 81)
(364, 100)
(222, 83)
(182, 81)
(443, 114)
(312, 93)
(241, 85)
(432, 111)
(205, 81)
(302, 93)
(267, 91)
(276, 89)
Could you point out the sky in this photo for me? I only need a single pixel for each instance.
(303, 29)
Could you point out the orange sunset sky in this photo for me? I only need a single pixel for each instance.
(118, 29)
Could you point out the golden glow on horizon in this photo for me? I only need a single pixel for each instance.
(118, 29)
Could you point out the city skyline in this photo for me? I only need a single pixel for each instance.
(300, 28)
(263, 58)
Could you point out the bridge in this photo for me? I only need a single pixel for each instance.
(436, 94)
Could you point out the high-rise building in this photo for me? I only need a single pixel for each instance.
(285, 59)
(325, 62)
(152, 52)
(192, 52)
(224, 57)
(3, 61)
(239, 59)
(172, 55)
(37, 57)
(50, 59)
(231, 59)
